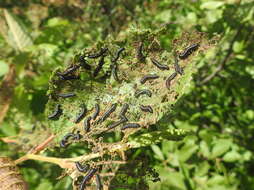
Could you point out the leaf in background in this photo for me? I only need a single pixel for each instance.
(4, 68)
(187, 180)
(169, 180)
(204, 149)
(202, 169)
(187, 151)
(212, 4)
(44, 185)
(221, 146)
(175, 180)
(231, 156)
(156, 149)
(238, 46)
(19, 38)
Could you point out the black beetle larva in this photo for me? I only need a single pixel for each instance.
(81, 115)
(66, 95)
(117, 123)
(130, 125)
(97, 111)
(119, 51)
(81, 168)
(77, 136)
(99, 66)
(124, 110)
(148, 77)
(100, 53)
(114, 71)
(169, 79)
(83, 63)
(65, 139)
(62, 144)
(188, 51)
(57, 112)
(146, 108)
(70, 70)
(71, 77)
(87, 177)
(87, 124)
(123, 118)
(67, 136)
(68, 77)
(141, 92)
(178, 69)
(99, 185)
(140, 54)
(159, 65)
(107, 113)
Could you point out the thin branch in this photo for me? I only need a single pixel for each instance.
(107, 174)
(68, 163)
(111, 162)
(223, 63)
(142, 140)
(10, 139)
(43, 145)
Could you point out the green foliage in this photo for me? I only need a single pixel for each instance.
(218, 109)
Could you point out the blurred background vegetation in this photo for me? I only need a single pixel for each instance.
(45, 34)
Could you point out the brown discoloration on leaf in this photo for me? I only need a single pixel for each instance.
(6, 91)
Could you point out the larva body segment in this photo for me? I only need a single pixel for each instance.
(98, 54)
(124, 109)
(99, 185)
(146, 108)
(188, 51)
(169, 79)
(108, 113)
(10, 178)
(83, 63)
(81, 115)
(87, 177)
(141, 92)
(96, 112)
(67, 137)
(67, 95)
(57, 112)
(99, 66)
(114, 72)
(87, 124)
(71, 70)
(159, 65)
(140, 54)
(67, 77)
(130, 125)
(148, 77)
(117, 123)
(81, 168)
(178, 68)
(119, 51)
